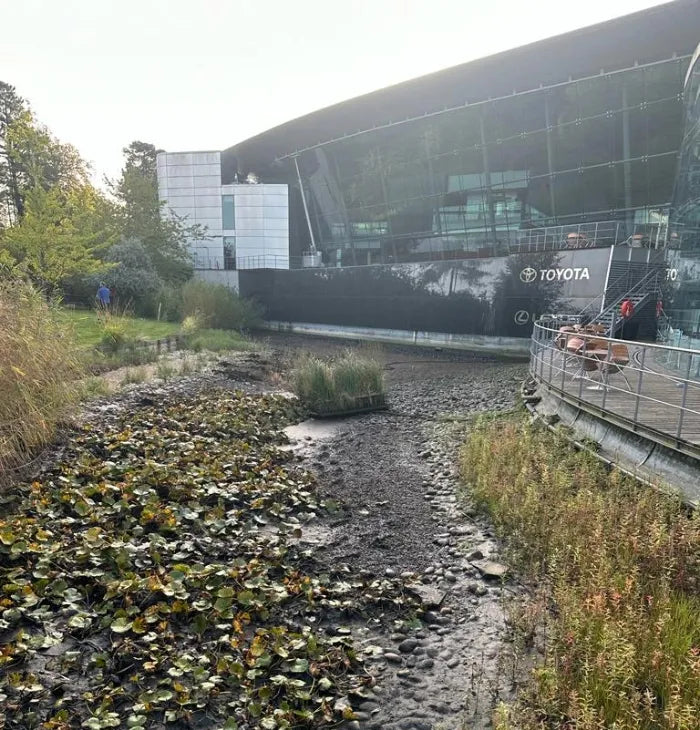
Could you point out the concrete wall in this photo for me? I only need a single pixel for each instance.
(227, 277)
(190, 185)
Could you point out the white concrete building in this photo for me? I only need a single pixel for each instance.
(247, 225)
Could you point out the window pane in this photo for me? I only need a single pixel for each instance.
(227, 210)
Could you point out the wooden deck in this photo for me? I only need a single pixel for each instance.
(657, 410)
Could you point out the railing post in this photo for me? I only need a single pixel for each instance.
(639, 386)
(605, 374)
(566, 357)
(583, 367)
(683, 399)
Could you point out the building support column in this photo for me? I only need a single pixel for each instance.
(487, 177)
(550, 159)
(306, 209)
(626, 165)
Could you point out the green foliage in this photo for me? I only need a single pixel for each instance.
(60, 235)
(132, 278)
(217, 341)
(623, 563)
(114, 336)
(163, 550)
(88, 326)
(345, 383)
(38, 369)
(140, 216)
(168, 301)
(219, 307)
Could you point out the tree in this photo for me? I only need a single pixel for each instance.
(62, 234)
(12, 106)
(30, 156)
(140, 215)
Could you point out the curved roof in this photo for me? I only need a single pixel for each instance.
(643, 37)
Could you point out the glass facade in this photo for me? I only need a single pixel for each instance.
(472, 182)
(685, 213)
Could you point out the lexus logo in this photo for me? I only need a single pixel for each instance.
(521, 317)
(528, 275)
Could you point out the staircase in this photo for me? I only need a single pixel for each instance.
(645, 291)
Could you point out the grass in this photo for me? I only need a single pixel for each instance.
(342, 384)
(134, 376)
(38, 373)
(218, 307)
(216, 341)
(621, 565)
(89, 329)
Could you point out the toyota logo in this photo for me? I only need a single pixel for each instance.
(528, 275)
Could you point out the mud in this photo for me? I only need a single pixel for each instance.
(394, 477)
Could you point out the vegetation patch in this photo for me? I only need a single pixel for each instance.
(347, 383)
(91, 328)
(621, 564)
(216, 341)
(38, 370)
(155, 577)
(218, 307)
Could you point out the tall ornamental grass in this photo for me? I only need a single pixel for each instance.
(345, 383)
(622, 563)
(38, 371)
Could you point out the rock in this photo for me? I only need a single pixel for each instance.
(427, 663)
(429, 595)
(393, 658)
(390, 573)
(491, 569)
(475, 555)
(432, 652)
(452, 663)
(451, 577)
(408, 645)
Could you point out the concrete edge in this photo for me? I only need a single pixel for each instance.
(511, 347)
(652, 463)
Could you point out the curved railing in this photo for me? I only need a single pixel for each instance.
(649, 388)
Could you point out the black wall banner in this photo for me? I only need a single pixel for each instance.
(491, 296)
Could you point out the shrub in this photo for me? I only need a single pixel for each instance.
(168, 301)
(219, 307)
(342, 384)
(623, 565)
(38, 371)
(114, 336)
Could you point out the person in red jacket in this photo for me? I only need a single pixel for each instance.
(627, 312)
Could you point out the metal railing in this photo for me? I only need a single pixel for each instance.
(626, 383)
(599, 234)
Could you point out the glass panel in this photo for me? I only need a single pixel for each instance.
(227, 213)
(229, 252)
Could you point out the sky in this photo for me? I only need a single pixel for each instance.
(205, 74)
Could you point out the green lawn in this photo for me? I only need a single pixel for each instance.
(88, 329)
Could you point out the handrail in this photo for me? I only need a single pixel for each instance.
(649, 397)
(630, 292)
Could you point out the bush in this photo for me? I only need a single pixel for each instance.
(346, 383)
(168, 301)
(38, 371)
(622, 563)
(218, 307)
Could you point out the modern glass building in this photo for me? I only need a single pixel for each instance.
(489, 157)
(469, 201)
(685, 213)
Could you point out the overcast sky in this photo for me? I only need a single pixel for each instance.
(205, 74)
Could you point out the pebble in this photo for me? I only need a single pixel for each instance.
(408, 645)
(393, 658)
(426, 664)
